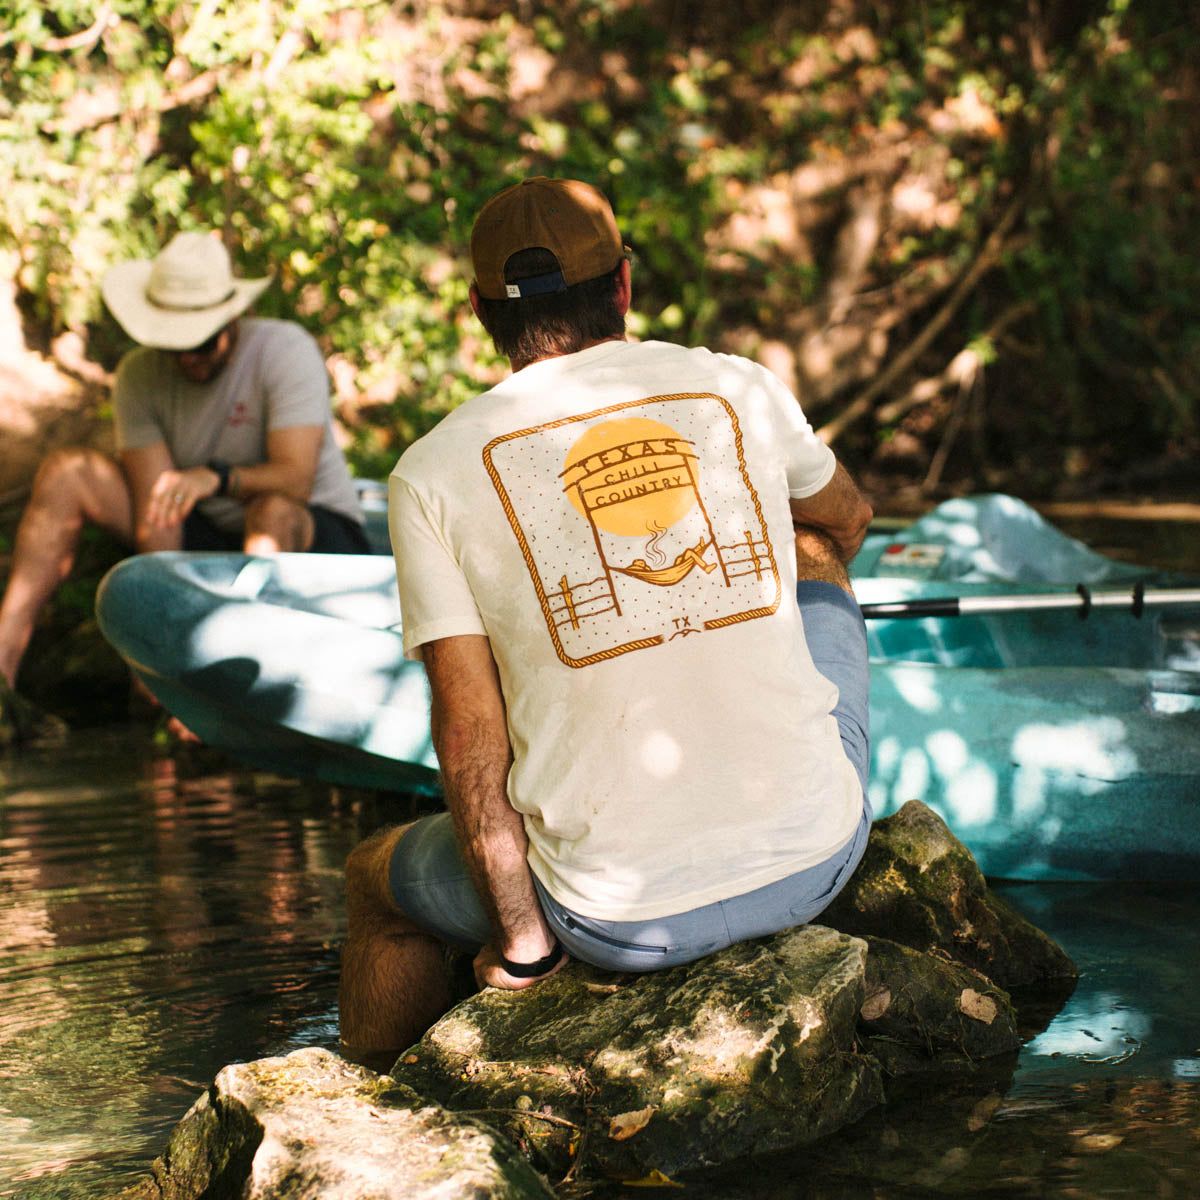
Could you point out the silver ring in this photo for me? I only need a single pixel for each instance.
(178, 497)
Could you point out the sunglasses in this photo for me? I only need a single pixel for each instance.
(206, 347)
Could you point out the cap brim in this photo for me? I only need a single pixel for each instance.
(124, 291)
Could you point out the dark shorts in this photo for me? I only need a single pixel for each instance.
(432, 886)
(333, 533)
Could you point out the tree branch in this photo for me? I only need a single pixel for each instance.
(203, 85)
(989, 254)
(927, 388)
(85, 39)
(967, 389)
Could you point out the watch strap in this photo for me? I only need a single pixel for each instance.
(222, 471)
(534, 969)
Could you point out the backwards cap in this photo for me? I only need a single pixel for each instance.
(569, 218)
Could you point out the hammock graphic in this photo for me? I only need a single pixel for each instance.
(693, 556)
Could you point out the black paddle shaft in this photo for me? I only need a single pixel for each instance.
(1082, 598)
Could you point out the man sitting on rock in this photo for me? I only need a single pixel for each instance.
(649, 749)
(224, 431)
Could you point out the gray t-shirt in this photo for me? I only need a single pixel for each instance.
(275, 379)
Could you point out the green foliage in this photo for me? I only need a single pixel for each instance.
(1108, 266)
(346, 149)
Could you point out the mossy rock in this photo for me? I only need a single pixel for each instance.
(924, 1013)
(767, 1046)
(918, 885)
(310, 1126)
(745, 1051)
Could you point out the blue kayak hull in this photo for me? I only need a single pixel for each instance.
(1046, 772)
(1085, 769)
(292, 663)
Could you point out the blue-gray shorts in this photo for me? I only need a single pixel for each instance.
(431, 885)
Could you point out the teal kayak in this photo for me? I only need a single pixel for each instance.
(1059, 736)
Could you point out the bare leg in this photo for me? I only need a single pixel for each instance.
(72, 486)
(275, 522)
(817, 558)
(394, 983)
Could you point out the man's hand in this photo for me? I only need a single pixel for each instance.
(490, 973)
(175, 493)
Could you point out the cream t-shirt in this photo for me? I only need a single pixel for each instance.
(616, 521)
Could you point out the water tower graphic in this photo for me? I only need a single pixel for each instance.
(659, 492)
(637, 478)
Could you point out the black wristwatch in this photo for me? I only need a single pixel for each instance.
(534, 969)
(222, 470)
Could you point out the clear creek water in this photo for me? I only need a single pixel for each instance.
(160, 917)
(163, 915)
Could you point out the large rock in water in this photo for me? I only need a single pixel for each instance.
(312, 1125)
(918, 885)
(748, 1050)
(769, 1044)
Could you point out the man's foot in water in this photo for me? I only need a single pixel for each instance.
(22, 723)
(173, 726)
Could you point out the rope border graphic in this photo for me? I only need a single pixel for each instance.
(531, 564)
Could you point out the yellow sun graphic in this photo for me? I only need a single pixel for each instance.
(631, 476)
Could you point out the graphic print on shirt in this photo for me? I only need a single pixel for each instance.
(638, 523)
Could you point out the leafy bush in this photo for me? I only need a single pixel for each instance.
(812, 187)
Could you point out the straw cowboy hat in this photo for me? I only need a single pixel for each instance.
(180, 298)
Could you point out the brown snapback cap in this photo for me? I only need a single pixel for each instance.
(569, 218)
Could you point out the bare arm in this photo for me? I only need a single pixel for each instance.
(154, 484)
(290, 468)
(470, 734)
(838, 510)
(164, 494)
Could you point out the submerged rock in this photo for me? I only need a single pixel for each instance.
(768, 1045)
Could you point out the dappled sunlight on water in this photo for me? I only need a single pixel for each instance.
(159, 919)
(155, 924)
